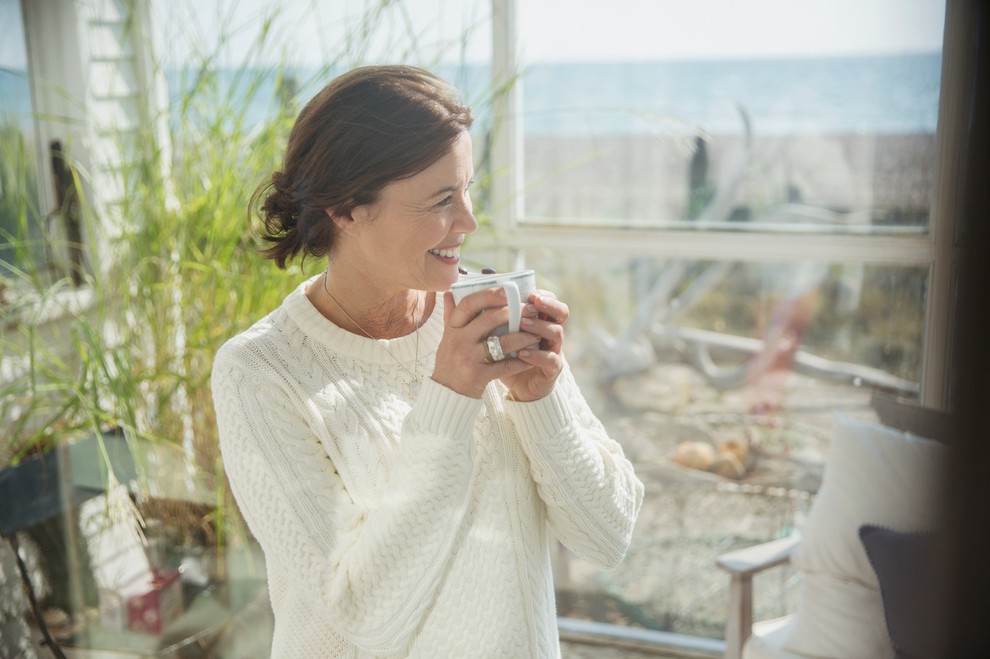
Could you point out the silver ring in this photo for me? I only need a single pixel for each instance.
(493, 346)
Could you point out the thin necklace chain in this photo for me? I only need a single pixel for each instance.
(368, 334)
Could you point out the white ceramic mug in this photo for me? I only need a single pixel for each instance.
(518, 286)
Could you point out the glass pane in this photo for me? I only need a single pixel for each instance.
(232, 103)
(752, 360)
(21, 244)
(738, 116)
(243, 44)
(233, 67)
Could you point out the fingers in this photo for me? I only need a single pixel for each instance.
(484, 312)
(542, 303)
(549, 363)
(463, 363)
(462, 358)
(507, 367)
(543, 317)
(472, 305)
(551, 334)
(549, 307)
(533, 375)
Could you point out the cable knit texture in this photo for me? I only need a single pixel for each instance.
(399, 518)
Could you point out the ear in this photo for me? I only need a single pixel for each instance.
(343, 221)
(351, 220)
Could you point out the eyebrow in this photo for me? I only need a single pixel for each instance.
(442, 191)
(449, 189)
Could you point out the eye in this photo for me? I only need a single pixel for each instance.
(449, 199)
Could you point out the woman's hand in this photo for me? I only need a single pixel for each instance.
(461, 356)
(545, 360)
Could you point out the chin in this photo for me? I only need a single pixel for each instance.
(442, 283)
(443, 288)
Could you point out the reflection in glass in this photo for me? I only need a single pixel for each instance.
(679, 356)
(840, 322)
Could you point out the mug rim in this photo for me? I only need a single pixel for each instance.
(493, 279)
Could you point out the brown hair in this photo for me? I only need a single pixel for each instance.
(367, 128)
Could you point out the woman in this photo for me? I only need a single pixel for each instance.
(400, 481)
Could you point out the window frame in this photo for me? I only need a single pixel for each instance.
(70, 94)
(512, 232)
(53, 56)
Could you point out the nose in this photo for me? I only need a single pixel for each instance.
(465, 222)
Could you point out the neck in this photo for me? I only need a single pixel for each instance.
(363, 310)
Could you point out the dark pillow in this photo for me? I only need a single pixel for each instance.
(911, 570)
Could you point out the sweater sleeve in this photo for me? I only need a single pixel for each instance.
(372, 569)
(590, 490)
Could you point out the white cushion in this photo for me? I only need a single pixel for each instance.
(767, 641)
(838, 618)
(873, 475)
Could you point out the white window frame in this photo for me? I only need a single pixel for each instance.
(56, 75)
(934, 250)
(72, 96)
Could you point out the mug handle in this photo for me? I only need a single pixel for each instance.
(514, 304)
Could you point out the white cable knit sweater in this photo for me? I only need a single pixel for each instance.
(403, 524)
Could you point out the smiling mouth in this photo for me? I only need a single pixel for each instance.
(450, 253)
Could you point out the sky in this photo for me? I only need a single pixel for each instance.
(716, 29)
(575, 30)
(12, 46)
(310, 32)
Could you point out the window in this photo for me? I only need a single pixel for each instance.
(737, 201)
(85, 100)
(782, 117)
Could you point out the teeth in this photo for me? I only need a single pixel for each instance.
(446, 253)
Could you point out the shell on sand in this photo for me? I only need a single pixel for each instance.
(696, 455)
(735, 447)
(727, 466)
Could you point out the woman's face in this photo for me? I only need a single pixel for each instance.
(411, 236)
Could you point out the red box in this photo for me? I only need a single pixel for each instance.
(151, 611)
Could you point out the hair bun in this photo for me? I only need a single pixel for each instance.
(279, 204)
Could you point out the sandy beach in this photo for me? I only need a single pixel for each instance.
(646, 178)
(669, 580)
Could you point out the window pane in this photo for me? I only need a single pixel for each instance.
(244, 43)
(744, 116)
(21, 244)
(234, 66)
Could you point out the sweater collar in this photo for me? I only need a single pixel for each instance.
(316, 326)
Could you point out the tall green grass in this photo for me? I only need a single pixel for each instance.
(183, 272)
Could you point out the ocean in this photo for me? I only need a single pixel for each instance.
(896, 94)
(887, 95)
